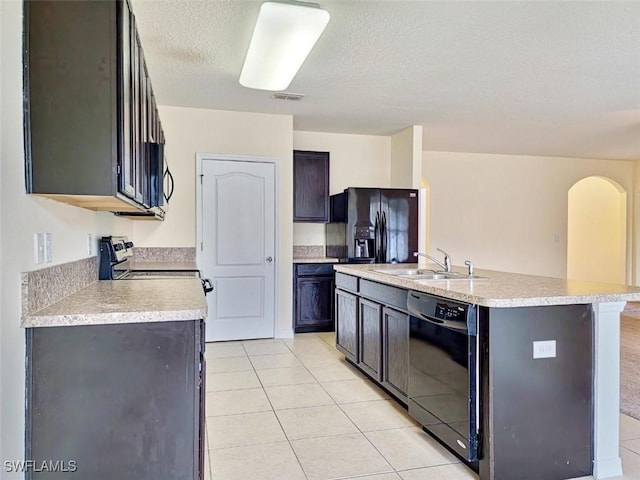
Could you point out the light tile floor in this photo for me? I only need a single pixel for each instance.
(294, 409)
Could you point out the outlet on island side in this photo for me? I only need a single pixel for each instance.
(544, 349)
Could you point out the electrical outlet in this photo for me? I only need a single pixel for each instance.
(544, 349)
(90, 244)
(48, 250)
(38, 248)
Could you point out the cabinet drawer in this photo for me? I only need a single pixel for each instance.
(391, 296)
(347, 282)
(314, 269)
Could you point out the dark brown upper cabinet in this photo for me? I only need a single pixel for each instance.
(310, 186)
(93, 136)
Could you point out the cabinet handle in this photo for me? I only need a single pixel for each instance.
(167, 172)
(269, 259)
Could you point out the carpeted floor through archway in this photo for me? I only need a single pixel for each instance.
(630, 360)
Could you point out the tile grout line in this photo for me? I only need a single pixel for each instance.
(396, 471)
(350, 420)
(279, 422)
(255, 372)
(318, 383)
(359, 430)
(629, 450)
(206, 432)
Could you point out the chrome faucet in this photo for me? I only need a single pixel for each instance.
(469, 267)
(446, 266)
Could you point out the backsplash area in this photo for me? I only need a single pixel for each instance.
(164, 254)
(308, 251)
(41, 288)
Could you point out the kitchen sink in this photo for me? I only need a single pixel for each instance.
(426, 274)
(408, 272)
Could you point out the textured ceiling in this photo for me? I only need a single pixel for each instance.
(537, 78)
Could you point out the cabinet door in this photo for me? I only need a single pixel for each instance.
(314, 304)
(346, 306)
(140, 416)
(370, 336)
(142, 168)
(310, 186)
(125, 166)
(135, 113)
(395, 352)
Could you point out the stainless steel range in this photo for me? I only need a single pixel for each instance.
(116, 253)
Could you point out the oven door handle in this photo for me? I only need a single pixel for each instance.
(445, 323)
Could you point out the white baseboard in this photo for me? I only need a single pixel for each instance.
(607, 468)
(284, 334)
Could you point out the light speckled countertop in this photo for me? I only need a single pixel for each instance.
(315, 260)
(125, 301)
(500, 289)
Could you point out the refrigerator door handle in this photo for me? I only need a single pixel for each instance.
(384, 239)
(376, 238)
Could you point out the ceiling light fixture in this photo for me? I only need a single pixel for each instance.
(283, 36)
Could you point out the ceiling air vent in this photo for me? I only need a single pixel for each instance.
(288, 96)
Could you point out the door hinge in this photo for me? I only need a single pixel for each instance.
(118, 169)
(201, 246)
(201, 175)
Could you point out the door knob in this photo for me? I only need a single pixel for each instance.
(269, 259)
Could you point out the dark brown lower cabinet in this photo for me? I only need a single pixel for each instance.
(370, 323)
(347, 324)
(313, 297)
(372, 331)
(395, 352)
(122, 401)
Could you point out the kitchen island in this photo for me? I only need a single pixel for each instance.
(542, 414)
(115, 381)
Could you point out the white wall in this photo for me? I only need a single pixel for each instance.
(20, 217)
(2, 55)
(406, 172)
(596, 234)
(401, 164)
(505, 212)
(406, 158)
(633, 226)
(192, 130)
(354, 161)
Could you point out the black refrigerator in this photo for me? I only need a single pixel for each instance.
(373, 225)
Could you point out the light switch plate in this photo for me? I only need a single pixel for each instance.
(48, 249)
(544, 349)
(38, 248)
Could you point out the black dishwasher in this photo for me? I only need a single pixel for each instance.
(443, 394)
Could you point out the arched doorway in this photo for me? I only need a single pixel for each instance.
(597, 231)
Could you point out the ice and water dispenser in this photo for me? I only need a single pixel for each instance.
(364, 241)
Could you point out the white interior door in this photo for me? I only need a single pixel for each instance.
(238, 248)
